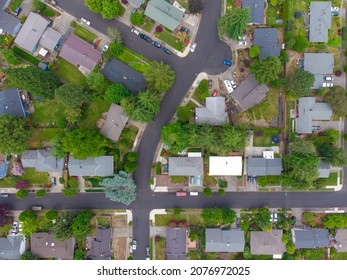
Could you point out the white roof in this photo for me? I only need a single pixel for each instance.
(43, 52)
(225, 166)
(268, 154)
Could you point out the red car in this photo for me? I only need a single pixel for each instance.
(215, 93)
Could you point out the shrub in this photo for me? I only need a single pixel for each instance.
(73, 24)
(177, 211)
(222, 184)
(137, 19)
(207, 192)
(21, 184)
(259, 133)
(158, 29)
(132, 156)
(345, 69)
(22, 194)
(61, 180)
(221, 192)
(130, 167)
(40, 193)
(298, 14)
(254, 52)
(338, 73)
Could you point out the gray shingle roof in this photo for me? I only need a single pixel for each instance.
(50, 39)
(118, 72)
(43, 245)
(100, 246)
(100, 166)
(310, 111)
(176, 239)
(264, 167)
(214, 112)
(136, 3)
(310, 239)
(341, 240)
(320, 21)
(256, 10)
(80, 53)
(267, 243)
(31, 32)
(8, 23)
(115, 122)
(218, 240)
(249, 93)
(267, 40)
(11, 103)
(164, 13)
(324, 169)
(12, 247)
(319, 64)
(42, 161)
(186, 166)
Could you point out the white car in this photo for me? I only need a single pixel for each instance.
(105, 48)
(192, 48)
(135, 31)
(14, 227)
(228, 86)
(328, 84)
(335, 9)
(242, 37)
(242, 43)
(275, 217)
(20, 227)
(233, 84)
(328, 78)
(134, 246)
(83, 20)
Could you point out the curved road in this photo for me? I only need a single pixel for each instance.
(208, 57)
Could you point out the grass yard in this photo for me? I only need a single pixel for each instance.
(148, 24)
(84, 34)
(94, 112)
(28, 57)
(184, 3)
(47, 12)
(170, 39)
(68, 72)
(14, 4)
(160, 249)
(4, 230)
(133, 60)
(8, 182)
(340, 256)
(163, 220)
(103, 221)
(332, 180)
(261, 257)
(333, 37)
(194, 219)
(126, 139)
(264, 181)
(209, 181)
(262, 136)
(41, 135)
(48, 113)
(35, 178)
(267, 110)
(316, 254)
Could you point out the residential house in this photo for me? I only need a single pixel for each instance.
(136, 3)
(320, 21)
(224, 241)
(267, 243)
(99, 166)
(12, 247)
(45, 246)
(319, 64)
(99, 248)
(176, 247)
(11, 103)
(310, 111)
(225, 166)
(214, 113)
(80, 53)
(3, 166)
(118, 72)
(267, 41)
(256, 10)
(35, 32)
(249, 93)
(324, 169)
(115, 122)
(341, 240)
(310, 238)
(8, 23)
(164, 13)
(187, 166)
(42, 161)
(264, 166)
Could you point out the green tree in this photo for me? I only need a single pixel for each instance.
(159, 76)
(81, 226)
(137, 19)
(303, 167)
(177, 211)
(332, 154)
(72, 96)
(150, 101)
(193, 236)
(114, 34)
(195, 6)
(94, 5)
(37, 82)
(51, 215)
(247, 252)
(110, 9)
(300, 84)
(176, 135)
(96, 82)
(27, 255)
(40, 193)
(266, 70)
(71, 189)
(120, 188)
(290, 248)
(233, 138)
(284, 57)
(115, 93)
(207, 192)
(130, 167)
(62, 229)
(221, 192)
(222, 184)
(82, 143)
(132, 156)
(14, 137)
(22, 194)
(303, 147)
(26, 215)
(233, 23)
(301, 43)
(254, 52)
(309, 218)
(38, 5)
(338, 100)
(116, 49)
(78, 254)
(263, 219)
(333, 221)
(207, 137)
(57, 148)
(11, 57)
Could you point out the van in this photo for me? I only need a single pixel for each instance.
(36, 208)
(181, 193)
(194, 193)
(228, 86)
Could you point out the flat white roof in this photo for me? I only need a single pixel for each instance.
(268, 154)
(225, 166)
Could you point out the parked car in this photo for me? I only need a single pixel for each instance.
(227, 62)
(209, 83)
(147, 253)
(36, 208)
(167, 50)
(328, 78)
(254, 180)
(17, 11)
(335, 13)
(193, 47)
(242, 37)
(242, 43)
(215, 92)
(144, 37)
(238, 222)
(20, 226)
(336, 9)
(184, 29)
(156, 44)
(293, 220)
(328, 84)
(83, 20)
(194, 193)
(315, 127)
(134, 246)
(274, 215)
(14, 227)
(53, 181)
(228, 86)
(134, 11)
(4, 195)
(233, 84)
(135, 31)
(105, 48)
(181, 193)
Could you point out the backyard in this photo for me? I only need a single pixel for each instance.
(133, 60)
(28, 57)
(68, 72)
(263, 136)
(169, 38)
(15, 4)
(94, 112)
(84, 34)
(41, 136)
(48, 113)
(126, 139)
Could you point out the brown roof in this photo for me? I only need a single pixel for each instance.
(43, 245)
(267, 243)
(115, 122)
(79, 53)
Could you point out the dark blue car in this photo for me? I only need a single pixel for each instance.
(227, 62)
(144, 37)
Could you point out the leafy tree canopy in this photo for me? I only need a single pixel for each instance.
(195, 6)
(137, 18)
(159, 76)
(233, 23)
(115, 93)
(96, 82)
(266, 70)
(338, 100)
(300, 84)
(62, 229)
(72, 96)
(254, 52)
(81, 226)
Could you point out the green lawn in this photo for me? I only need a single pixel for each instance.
(35, 178)
(184, 3)
(163, 220)
(126, 139)
(47, 12)
(315, 254)
(332, 180)
(48, 113)
(160, 249)
(41, 135)
(170, 39)
(264, 181)
(68, 72)
(84, 34)
(340, 256)
(185, 113)
(14, 4)
(4, 230)
(94, 112)
(8, 182)
(209, 181)
(104, 221)
(148, 24)
(262, 137)
(28, 57)
(134, 60)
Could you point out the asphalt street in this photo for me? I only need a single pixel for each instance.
(208, 57)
